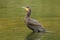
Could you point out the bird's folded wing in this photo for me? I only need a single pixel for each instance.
(33, 21)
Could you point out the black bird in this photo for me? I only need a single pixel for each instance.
(33, 24)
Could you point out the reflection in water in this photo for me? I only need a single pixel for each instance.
(34, 36)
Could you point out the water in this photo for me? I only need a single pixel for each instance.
(12, 26)
(34, 36)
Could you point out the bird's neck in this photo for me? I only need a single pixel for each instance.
(28, 14)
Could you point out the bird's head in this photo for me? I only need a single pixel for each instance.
(27, 8)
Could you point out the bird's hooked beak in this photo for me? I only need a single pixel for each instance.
(27, 9)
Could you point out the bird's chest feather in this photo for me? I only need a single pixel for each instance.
(26, 20)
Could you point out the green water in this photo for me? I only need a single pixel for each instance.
(12, 26)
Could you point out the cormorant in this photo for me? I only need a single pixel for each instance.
(33, 24)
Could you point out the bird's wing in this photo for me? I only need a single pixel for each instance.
(33, 21)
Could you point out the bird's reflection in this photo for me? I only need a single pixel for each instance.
(34, 36)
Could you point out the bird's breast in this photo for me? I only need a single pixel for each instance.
(26, 20)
